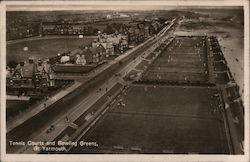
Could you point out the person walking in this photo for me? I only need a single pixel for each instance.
(67, 119)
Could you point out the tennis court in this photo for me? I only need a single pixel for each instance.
(184, 60)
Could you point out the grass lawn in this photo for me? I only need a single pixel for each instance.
(43, 48)
(169, 100)
(158, 119)
(153, 134)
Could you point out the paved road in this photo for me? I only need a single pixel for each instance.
(57, 115)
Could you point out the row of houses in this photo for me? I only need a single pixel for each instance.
(113, 43)
(21, 26)
(100, 50)
(136, 32)
(104, 46)
(29, 26)
(87, 55)
(67, 29)
(22, 31)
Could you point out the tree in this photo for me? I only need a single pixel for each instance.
(90, 30)
(109, 30)
(95, 31)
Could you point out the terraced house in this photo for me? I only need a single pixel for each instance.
(51, 28)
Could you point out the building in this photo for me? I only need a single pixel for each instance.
(30, 78)
(64, 29)
(108, 46)
(124, 42)
(109, 16)
(83, 56)
(80, 60)
(147, 32)
(94, 55)
(119, 42)
(113, 43)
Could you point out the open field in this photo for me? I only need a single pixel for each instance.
(183, 60)
(176, 120)
(43, 48)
